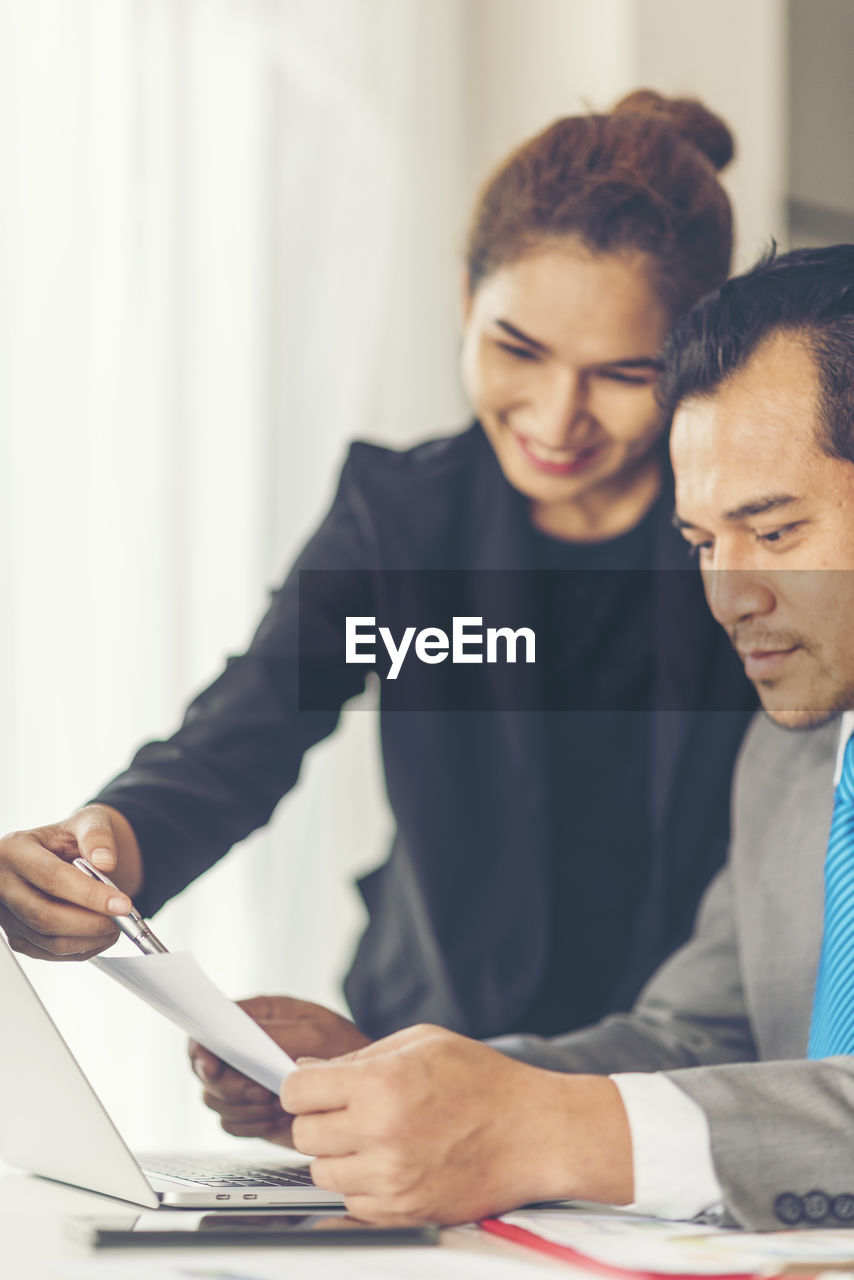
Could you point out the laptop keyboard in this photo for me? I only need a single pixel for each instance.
(216, 1171)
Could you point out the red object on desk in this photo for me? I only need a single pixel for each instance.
(519, 1235)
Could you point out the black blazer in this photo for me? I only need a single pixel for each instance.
(458, 918)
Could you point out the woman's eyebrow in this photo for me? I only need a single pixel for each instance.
(636, 362)
(651, 363)
(520, 336)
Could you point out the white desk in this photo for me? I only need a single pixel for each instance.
(32, 1247)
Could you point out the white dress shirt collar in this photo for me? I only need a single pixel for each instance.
(846, 728)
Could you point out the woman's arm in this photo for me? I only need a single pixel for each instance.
(183, 802)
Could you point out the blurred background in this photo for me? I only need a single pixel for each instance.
(231, 242)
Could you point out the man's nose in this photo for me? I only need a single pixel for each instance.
(737, 594)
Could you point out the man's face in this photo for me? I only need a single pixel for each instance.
(772, 519)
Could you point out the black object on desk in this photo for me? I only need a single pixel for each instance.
(272, 1230)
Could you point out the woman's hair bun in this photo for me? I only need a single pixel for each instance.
(696, 124)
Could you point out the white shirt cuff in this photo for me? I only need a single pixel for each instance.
(671, 1148)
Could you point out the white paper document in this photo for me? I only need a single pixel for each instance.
(634, 1243)
(175, 986)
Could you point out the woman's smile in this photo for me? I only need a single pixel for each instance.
(560, 462)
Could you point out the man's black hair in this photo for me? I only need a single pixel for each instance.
(808, 293)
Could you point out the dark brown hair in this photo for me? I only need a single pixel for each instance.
(642, 177)
(808, 294)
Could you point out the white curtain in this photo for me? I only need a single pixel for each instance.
(209, 209)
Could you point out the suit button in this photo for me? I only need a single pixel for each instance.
(816, 1206)
(843, 1208)
(789, 1208)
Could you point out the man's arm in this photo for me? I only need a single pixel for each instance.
(663, 1031)
(429, 1126)
(389, 1121)
(782, 1139)
(692, 1011)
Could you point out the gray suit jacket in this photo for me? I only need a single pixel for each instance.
(727, 1016)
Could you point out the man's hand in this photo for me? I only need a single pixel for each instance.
(54, 911)
(303, 1030)
(427, 1126)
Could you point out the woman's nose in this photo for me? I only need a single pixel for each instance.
(561, 410)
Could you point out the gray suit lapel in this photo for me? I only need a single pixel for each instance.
(783, 807)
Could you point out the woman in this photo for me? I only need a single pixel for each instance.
(532, 848)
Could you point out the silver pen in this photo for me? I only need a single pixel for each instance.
(133, 925)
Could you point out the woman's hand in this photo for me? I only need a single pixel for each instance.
(52, 910)
(303, 1030)
(428, 1126)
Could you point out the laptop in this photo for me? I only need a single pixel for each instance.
(53, 1124)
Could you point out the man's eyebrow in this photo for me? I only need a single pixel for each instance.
(756, 507)
(759, 506)
(520, 336)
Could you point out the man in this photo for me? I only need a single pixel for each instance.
(734, 1089)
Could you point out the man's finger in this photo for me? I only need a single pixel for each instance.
(348, 1175)
(327, 1134)
(391, 1044)
(369, 1208)
(324, 1087)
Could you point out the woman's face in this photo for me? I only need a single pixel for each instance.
(560, 359)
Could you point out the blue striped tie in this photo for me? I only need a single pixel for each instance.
(832, 1027)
